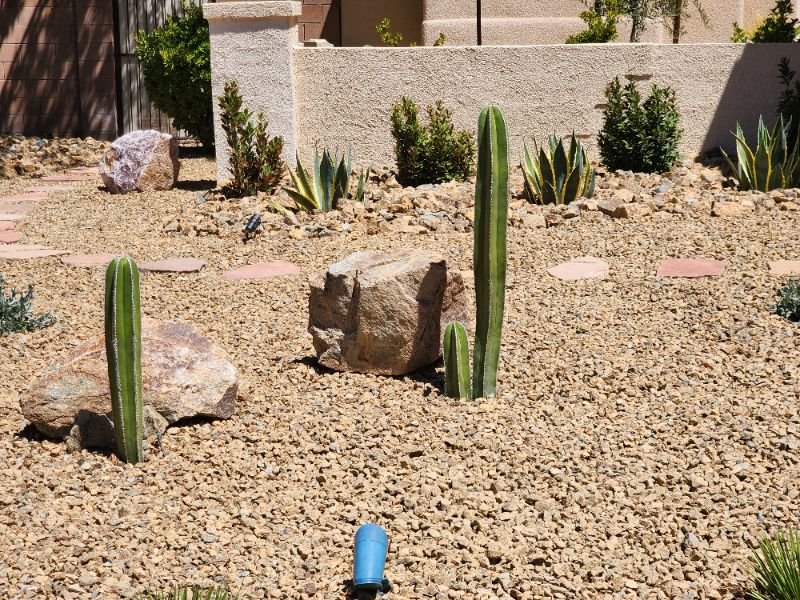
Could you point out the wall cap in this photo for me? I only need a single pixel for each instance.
(224, 10)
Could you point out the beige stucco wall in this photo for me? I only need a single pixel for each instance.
(541, 89)
(359, 18)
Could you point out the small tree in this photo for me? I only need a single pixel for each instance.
(640, 12)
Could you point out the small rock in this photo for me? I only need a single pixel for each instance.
(607, 207)
(728, 209)
(632, 210)
(533, 221)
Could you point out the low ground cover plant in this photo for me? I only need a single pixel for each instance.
(255, 157)
(640, 136)
(553, 175)
(780, 26)
(16, 312)
(432, 153)
(176, 62)
(788, 305)
(776, 568)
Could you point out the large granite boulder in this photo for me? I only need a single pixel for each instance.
(184, 375)
(384, 313)
(145, 161)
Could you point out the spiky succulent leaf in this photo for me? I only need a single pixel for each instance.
(773, 164)
(456, 361)
(776, 568)
(561, 175)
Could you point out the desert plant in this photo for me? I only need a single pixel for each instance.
(640, 12)
(255, 158)
(176, 63)
(601, 25)
(489, 259)
(192, 593)
(639, 136)
(779, 26)
(789, 102)
(361, 187)
(774, 164)
(776, 568)
(393, 40)
(433, 153)
(456, 361)
(789, 301)
(553, 175)
(123, 327)
(16, 311)
(321, 189)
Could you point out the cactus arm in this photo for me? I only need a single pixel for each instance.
(456, 361)
(491, 213)
(123, 329)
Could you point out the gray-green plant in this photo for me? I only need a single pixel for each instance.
(788, 305)
(773, 164)
(489, 260)
(16, 311)
(553, 175)
(123, 329)
(456, 360)
(324, 186)
(193, 592)
(775, 568)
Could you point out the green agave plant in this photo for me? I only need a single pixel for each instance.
(776, 568)
(554, 175)
(772, 165)
(192, 593)
(321, 189)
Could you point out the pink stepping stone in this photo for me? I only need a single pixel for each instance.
(584, 267)
(44, 189)
(691, 267)
(6, 225)
(9, 237)
(88, 260)
(20, 252)
(70, 177)
(174, 265)
(92, 170)
(12, 216)
(262, 271)
(16, 207)
(26, 197)
(784, 267)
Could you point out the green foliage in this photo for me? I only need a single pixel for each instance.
(176, 62)
(123, 329)
(741, 36)
(638, 136)
(16, 309)
(384, 30)
(554, 175)
(780, 26)
(789, 301)
(440, 40)
(776, 568)
(361, 188)
(192, 593)
(433, 153)
(774, 164)
(456, 361)
(255, 158)
(321, 189)
(601, 28)
(789, 102)
(640, 12)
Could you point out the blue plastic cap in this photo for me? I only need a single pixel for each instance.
(371, 544)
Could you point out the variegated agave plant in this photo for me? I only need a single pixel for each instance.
(772, 165)
(321, 189)
(554, 175)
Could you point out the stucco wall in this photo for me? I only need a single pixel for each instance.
(344, 95)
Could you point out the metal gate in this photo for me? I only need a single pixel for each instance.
(134, 110)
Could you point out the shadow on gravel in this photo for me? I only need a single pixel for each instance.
(200, 185)
(195, 152)
(30, 433)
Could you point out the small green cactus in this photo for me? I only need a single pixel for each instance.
(456, 361)
(123, 325)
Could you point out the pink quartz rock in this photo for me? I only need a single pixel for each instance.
(174, 265)
(584, 267)
(264, 270)
(141, 160)
(691, 267)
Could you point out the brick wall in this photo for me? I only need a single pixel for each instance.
(320, 19)
(57, 68)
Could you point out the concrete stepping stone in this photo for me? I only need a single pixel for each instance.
(44, 189)
(88, 260)
(174, 265)
(26, 197)
(784, 267)
(6, 225)
(691, 267)
(25, 251)
(7, 207)
(12, 216)
(583, 267)
(10, 237)
(265, 270)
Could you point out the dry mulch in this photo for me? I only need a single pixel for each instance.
(645, 436)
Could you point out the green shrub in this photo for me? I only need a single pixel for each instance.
(789, 102)
(554, 175)
(779, 27)
(15, 311)
(192, 593)
(430, 154)
(639, 136)
(789, 302)
(176, 62)
(776, 568)
(255, 158)
(601, 28)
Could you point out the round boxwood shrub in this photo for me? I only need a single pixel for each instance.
(176, 61)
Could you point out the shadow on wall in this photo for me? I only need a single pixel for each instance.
(755, 70)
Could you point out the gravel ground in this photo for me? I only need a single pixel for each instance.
(645, 437)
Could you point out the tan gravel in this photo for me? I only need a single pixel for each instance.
(646, 435)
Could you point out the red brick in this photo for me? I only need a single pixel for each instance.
(39, 70)
(12, 123)
(312, 13)
(27, 52)
(312, 31)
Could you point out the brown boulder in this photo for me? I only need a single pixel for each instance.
(184, 375)
(144, 160)
(384, 313)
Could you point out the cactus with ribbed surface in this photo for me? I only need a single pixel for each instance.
(123, 325)
(456, 361)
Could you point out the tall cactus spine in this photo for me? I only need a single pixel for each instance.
(123, 325)
(491, 214)
(456, 361)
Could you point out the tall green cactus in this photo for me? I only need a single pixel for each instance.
(456, 361)
(491, 214)
(123, 322)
